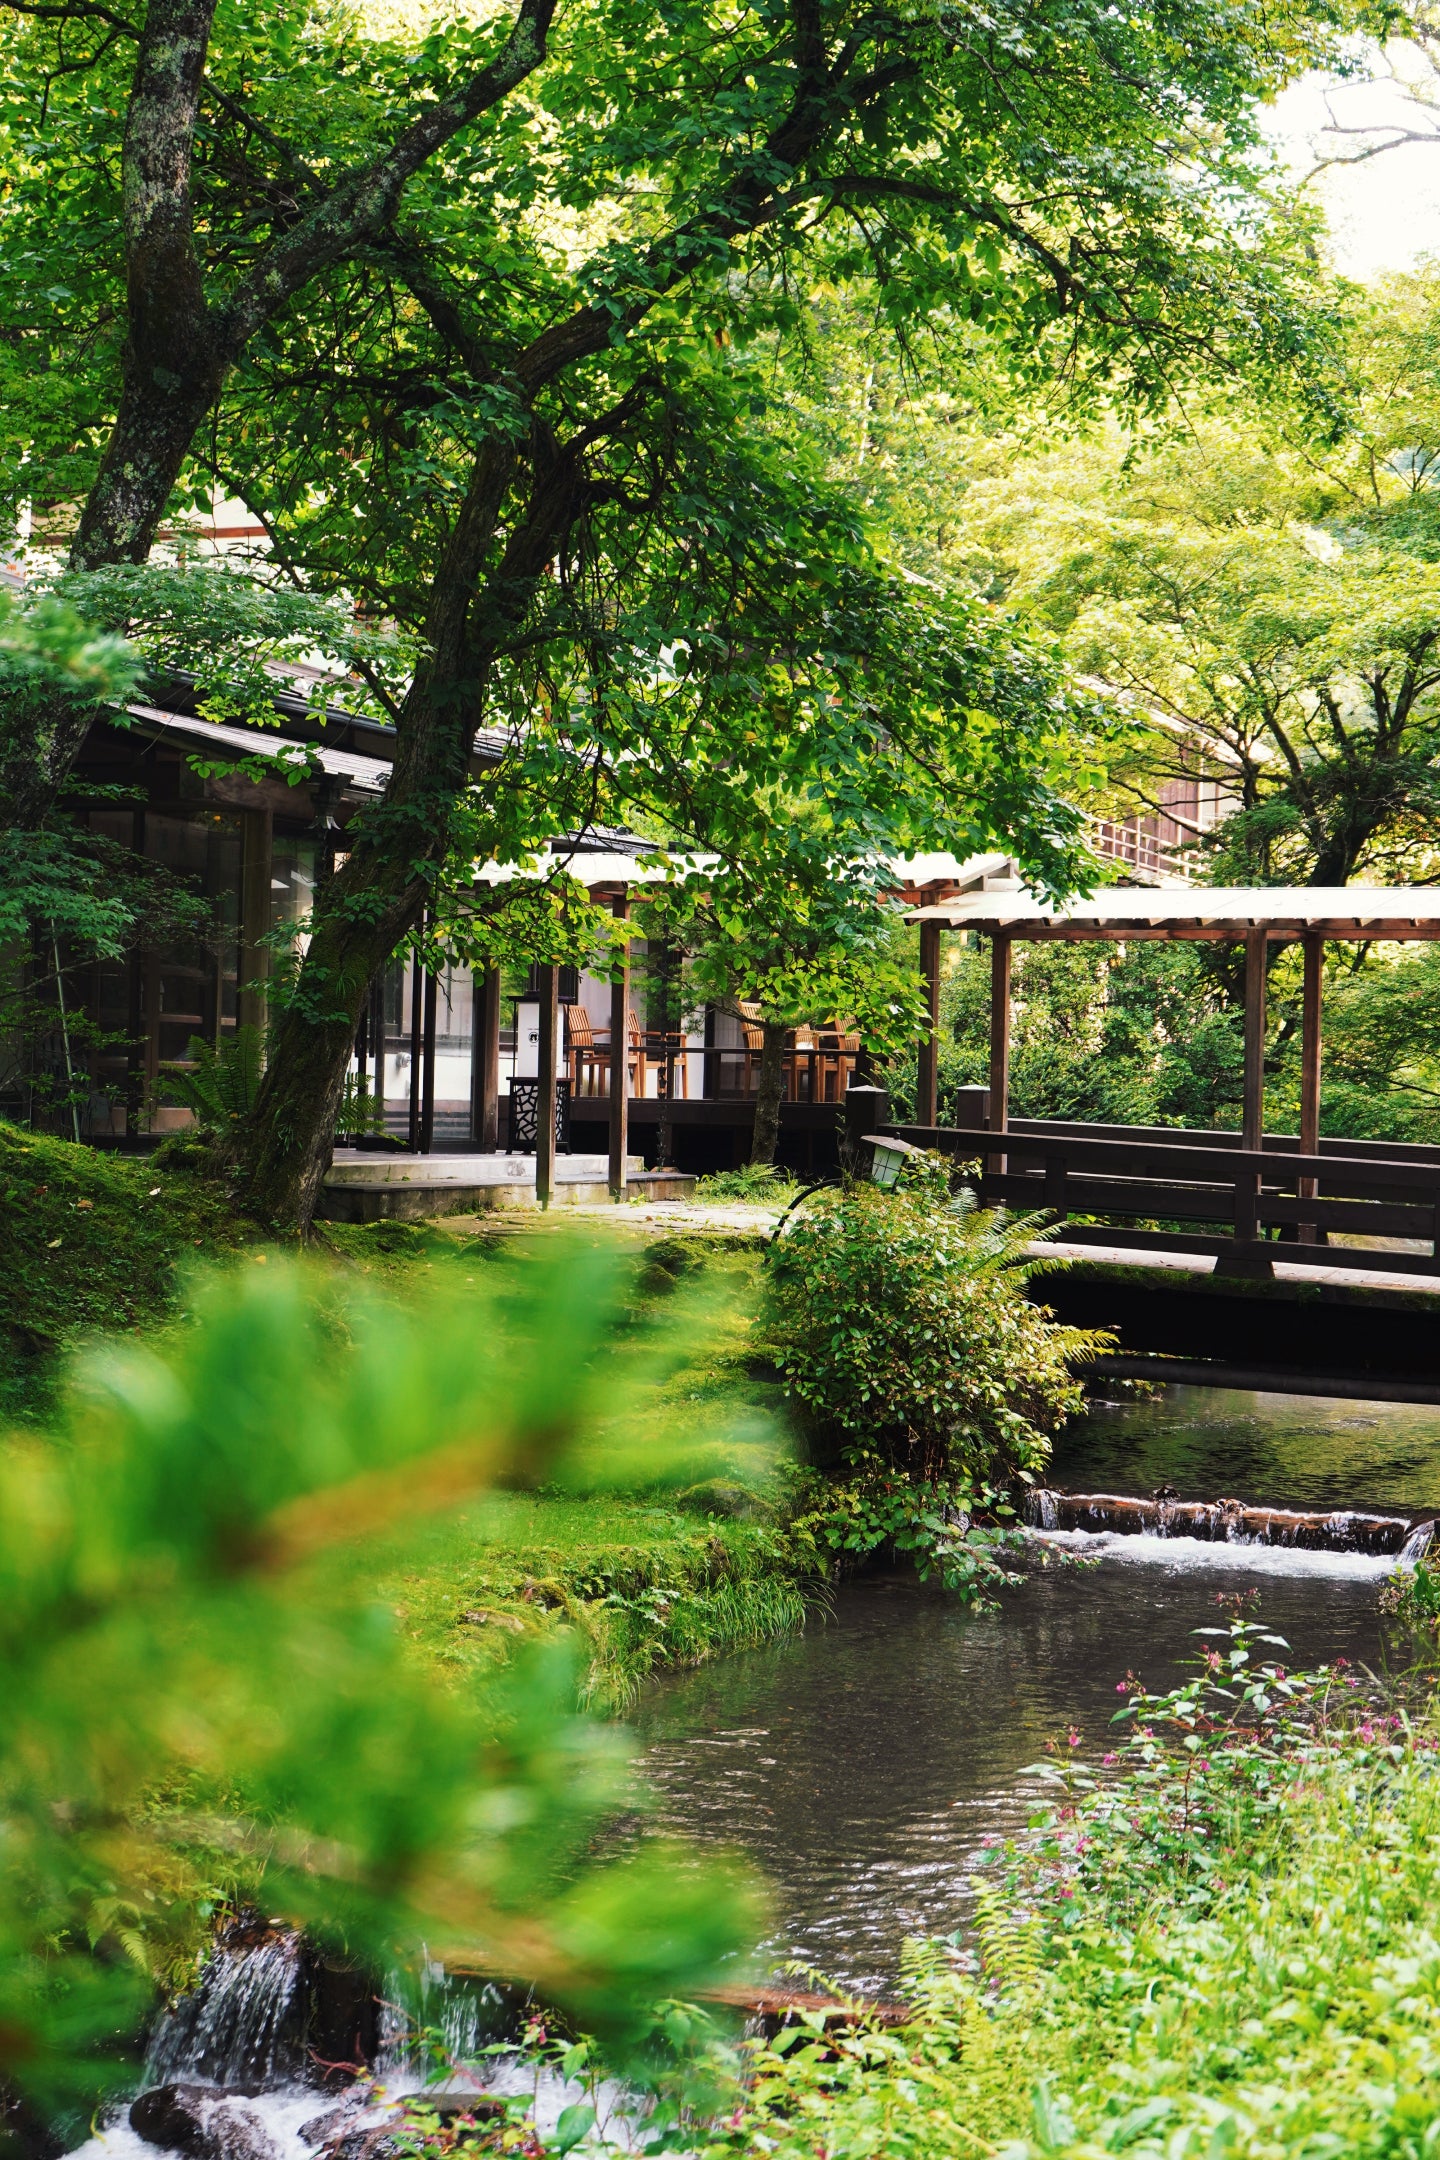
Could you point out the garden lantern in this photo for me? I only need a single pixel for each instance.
(889, 1159)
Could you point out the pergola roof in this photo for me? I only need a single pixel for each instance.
(1197, 911)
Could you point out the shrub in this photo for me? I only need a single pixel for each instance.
(903, 1333)
(194, 1661)
(760, 1182)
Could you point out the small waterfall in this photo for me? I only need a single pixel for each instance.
(1416, 1546)
(431, 2014)
(1042, 1509)
(1230, 1522)
(237, 2027)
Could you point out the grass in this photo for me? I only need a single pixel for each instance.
(88, 1242)
(92, 1243)
(642, 1584)
(644, 1580)
(758, 1182)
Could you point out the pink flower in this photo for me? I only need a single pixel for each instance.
(1108, 1760)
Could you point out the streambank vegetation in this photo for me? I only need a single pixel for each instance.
(1218, 1939)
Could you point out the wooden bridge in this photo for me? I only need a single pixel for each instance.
(1246, 1259)
(1217, 1265)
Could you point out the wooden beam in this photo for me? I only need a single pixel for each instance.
(485, 1061)
(927, 1064)
(548, 979)
(999, 1118)
(1310, 1057)
(620, 1063)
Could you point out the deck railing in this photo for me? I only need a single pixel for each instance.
(1202, 1192)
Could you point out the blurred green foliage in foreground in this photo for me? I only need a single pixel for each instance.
(191, 1681)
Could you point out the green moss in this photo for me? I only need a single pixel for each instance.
(90, 1242)
(645, 1581)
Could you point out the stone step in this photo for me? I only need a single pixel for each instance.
(507, 1169)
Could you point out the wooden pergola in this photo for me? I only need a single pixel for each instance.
(1255, 917)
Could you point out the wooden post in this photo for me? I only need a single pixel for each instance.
(256, 859)
(485, 1060)
(417, 1041)
(620, 1064)
(1248, 1256)
(1313, 946)
(927, 1063)
(427, 1085)
(548, 979)
(999, 1119)
(1252, 1120)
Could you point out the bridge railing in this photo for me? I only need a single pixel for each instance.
(1188, 1190)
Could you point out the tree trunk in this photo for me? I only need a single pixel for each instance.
(769, 1092)
(287, 1144)
(370, 904)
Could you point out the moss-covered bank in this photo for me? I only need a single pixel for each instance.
(91, 1242)
(94, 1244)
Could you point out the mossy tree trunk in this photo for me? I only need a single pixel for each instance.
(377, 897)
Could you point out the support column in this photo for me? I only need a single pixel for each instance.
(256, 860)
(927, 1062)
(548, 979)
(427, 1085)
(1252, 1120)
(1313, 946)
(417, 1046)
(1248, 1255)
(485, 1060)
(620, 1064)
(999, 1118)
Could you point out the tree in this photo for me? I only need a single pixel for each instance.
(528, 419)
(1266, 601)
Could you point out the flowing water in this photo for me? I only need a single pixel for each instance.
(1287, 1450)
(865, 1764)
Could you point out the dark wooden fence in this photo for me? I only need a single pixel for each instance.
(1203, 1192)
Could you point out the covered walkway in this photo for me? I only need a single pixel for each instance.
(1239, 1190)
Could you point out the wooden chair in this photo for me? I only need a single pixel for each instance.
(581, 1052)
(839, 1050)
(752, 1027)
(597, 1055)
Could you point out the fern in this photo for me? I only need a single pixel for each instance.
(1011, 1944)
(222, 1081)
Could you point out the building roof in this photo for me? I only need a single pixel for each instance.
(365, 774)
(1199, 911)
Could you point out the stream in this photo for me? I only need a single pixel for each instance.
(865, 1764)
